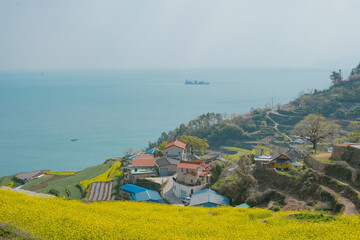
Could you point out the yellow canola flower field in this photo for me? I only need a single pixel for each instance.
(112, 173)
(56, 218)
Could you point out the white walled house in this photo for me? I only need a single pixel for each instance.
(192, 176)
(175, 150)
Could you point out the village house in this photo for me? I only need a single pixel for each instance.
(281, 162)
(166, 166)
(136, 193)
(175, 150)
(143, 165)
(208, 198)
(192, 176)
(262, 161)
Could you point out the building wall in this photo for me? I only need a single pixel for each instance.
(181, 171)
(177, 187)
(175, 152)
(280, 165)
(171, 169)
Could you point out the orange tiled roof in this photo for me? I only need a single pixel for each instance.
(143, 160)
(189, 164)
(176, 143)
(191, 173)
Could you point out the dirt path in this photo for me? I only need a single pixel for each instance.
(30, 193)
(276, 124)
(44, 183)
(350, 208)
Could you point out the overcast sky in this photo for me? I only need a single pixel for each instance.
(45, 35)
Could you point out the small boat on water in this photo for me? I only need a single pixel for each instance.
(73, 139)
(195, 82)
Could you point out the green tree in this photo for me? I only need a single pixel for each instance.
(260, 149)
(162, 145)
(335, 77)
(316, 128)
(354, 135)
(195, 144)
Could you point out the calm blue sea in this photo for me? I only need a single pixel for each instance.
(110, 111)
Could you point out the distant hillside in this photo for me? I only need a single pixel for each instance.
(340, 102)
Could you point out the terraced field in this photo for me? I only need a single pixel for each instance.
(101, 191)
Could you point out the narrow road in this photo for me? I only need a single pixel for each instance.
(350, 208)
(167, 192)
(276, 124)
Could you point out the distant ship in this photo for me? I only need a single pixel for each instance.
(195, 82)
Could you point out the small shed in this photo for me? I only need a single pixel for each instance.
(208, 198)
(137, 193)
(281, 161)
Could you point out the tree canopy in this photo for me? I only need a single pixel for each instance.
(316, 128)
(195, 144)
(354, 135)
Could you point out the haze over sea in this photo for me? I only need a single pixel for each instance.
(110, 111)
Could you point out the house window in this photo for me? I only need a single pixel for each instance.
(179, 152)
(182, 170)
(187, 170)
(191, 181)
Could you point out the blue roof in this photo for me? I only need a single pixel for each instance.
(244, 205)
(208, 196)
(130, 188)
(141, 194)
(151, 151)
(148, 195)
(130, 157)
(264, 155)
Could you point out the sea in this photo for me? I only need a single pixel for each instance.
(108, 111)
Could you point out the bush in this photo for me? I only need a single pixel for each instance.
(54, 192)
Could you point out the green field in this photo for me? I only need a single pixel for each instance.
(70, 182)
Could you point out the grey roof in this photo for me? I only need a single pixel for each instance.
(218, 157)
(208, 196)
(29, 175)
(166, 161)
(192, 157)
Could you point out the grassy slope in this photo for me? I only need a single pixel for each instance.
(56, 218)
(4, 181)
(71, 181)
(35, 182)
(9, 232)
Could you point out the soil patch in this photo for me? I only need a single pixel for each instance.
(44, 183)
(323, 155)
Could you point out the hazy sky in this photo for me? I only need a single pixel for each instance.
(44, 35)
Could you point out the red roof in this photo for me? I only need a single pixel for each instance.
(143, 160)
(189, 164)
(176, 143)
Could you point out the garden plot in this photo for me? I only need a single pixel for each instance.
(101, 191)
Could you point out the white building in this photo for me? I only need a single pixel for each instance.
(192, 176)
(175, 150)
